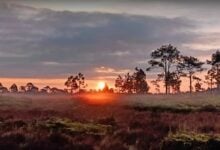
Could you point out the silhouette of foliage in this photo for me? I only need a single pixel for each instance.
(31, 88)
(76, 82)
(119, 83)
(214, 72)
(132, 83)
(140, 83)
(14, 88)
(165, 58)
(188, 66)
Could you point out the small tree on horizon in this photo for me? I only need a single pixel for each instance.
(210, 77)
(140, 83)
(198, 85)
(132, 83)
(76, 83)
(14, 88)
(188, 66)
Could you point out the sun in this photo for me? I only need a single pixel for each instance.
(101, 85)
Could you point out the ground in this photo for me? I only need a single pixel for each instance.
(110, 121)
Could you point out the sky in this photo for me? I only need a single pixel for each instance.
(45, 41)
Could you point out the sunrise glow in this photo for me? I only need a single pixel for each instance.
(101, 85)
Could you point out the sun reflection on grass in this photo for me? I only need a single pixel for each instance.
(99, 98)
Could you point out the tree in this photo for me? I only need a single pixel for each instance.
(76, 82)
(31, 88)
(198, 85)
(22, 89)
(3, 89)
(128, 83)
(215, 67)
(210, 78)
(119, 83)
(106, 88)
(46, 89)
(174, 82)
(14, 88)
(165, 58)
(188, 66)
(132, 83)
(140, 83)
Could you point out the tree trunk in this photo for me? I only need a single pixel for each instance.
(166, 87)
(166, 84)
(190, 83)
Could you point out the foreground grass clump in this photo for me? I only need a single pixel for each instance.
(191, 141)
(68, 126)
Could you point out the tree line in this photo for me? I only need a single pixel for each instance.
(169, 65)
(30, 88)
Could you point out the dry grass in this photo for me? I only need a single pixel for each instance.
(104, 121)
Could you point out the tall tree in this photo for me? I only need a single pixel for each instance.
(76, 83)
(165, 58)
(188, 66)
(215, 66)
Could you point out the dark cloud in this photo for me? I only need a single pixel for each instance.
(43, 42)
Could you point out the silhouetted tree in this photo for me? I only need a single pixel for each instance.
(140, 83)
(119, 83)
(46, 89)
(14, 88)
(3, 89)
(22, 89)
(165, 58)
(76, 82)
(198, 85)
(210, 78)
(215, 67)
(31, 88)
(132, 83)
(128, 83)
(106, 88)
(188, 66)
(174, 82)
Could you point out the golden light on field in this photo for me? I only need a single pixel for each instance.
(101, 85)
(99, 98)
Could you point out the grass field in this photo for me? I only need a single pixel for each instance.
(110, 121)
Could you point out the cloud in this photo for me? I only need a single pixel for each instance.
(107, 70)
(42, 42)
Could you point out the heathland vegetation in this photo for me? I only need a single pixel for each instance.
(124, 118)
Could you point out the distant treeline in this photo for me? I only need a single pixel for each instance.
(171, 66)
